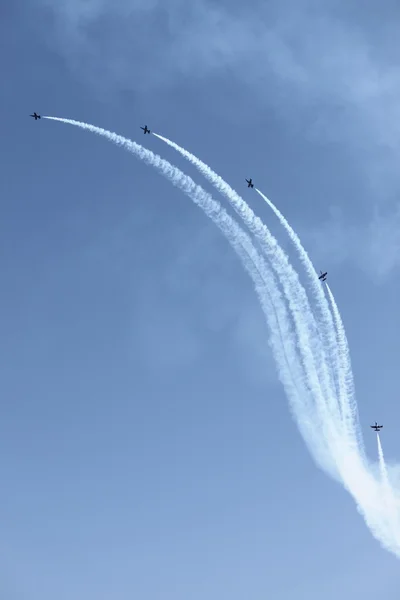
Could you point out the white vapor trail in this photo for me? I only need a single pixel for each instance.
(282, 340)
(308, 365)
(310, 348)
(389, 498)
(338, 349)
(349, 453)
(337, 341)
(336, 407)
(348, 404)
(382, 464)
(326, 329)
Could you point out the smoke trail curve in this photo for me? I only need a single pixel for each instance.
(319, 374)
(337, 343)
(297, 385)
(328, 329)
(323, 435)
(347, 398)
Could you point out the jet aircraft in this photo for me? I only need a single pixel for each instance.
(35, 116)
(145, 129)
(323, 275)
(250, 182)
(376, 427)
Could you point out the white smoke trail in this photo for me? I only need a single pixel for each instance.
(377, 504)
(311, 350)
(382, 464)
(327, 328)
(348, 448)
(340, 438)
(389, 498)
(378, 508)
(290, 370)
(330, 449)
(337, 342)
(348, 404)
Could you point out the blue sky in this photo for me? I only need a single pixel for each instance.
(148, 449)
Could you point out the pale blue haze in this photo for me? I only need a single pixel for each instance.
(147, 446)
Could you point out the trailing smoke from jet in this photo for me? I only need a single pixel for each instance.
(283, 342)
(310, 347)
(336, 405)
(314, 369)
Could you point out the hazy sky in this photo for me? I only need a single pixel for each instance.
(148, 449)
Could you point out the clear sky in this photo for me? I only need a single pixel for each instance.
(147, 446)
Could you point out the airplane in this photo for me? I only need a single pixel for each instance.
(35, 116)
(323, 276)
(250, 182)
(145, 129)
(376, 427)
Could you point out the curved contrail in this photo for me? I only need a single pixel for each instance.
(340, 431)
(294, 378)
(348, 403)
(326, 328)
(337, 340)
(377, 500)
(383, 518)
(311, 348)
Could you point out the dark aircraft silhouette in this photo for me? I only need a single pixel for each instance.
(376, 427)
(35, 116)
(250, 182)
(145, 129)
(323, 275)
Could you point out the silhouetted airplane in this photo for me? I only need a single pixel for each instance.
(376, 426)
(250, 182)
(145, 129)
(323, 276)
(35, 116)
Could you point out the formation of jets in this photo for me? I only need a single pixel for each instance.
(322, 277)
(250, 184)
